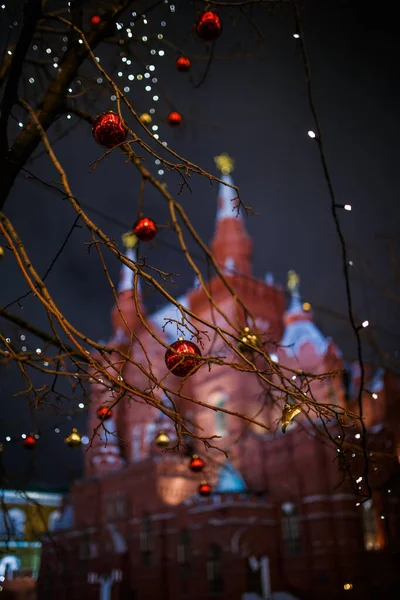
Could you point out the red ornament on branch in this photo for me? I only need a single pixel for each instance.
(95, 20)
(182, 357)
(204, 489)
(104, 413)
(109, 130)
(29, 442)
(145, 229)
(209, 26)
(196, 464)
(174, 119)
(183, 64)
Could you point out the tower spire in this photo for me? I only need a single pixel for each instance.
(231, 243)
(125, 317)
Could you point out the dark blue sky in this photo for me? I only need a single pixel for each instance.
(257, 111)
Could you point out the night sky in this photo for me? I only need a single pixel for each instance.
(257, 111)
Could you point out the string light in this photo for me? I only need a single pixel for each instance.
(344, 206)
(312, 134)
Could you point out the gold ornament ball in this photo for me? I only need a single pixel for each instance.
(248, 341)
(2, 253)
(74, 439)
(145, 118)
(162, 440)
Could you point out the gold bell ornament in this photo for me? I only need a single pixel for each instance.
(162, 440)
(145, 118)
(74, 439)
(288, 414)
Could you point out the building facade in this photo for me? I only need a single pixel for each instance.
(24, 518)
(283, 516)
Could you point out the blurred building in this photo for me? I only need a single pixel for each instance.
(24, 518)
(283, 519)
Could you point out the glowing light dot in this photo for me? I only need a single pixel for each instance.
(375, 396)
(152, 111)
(160, 37)
(144, 38)
(46, 364)
(152, 68)
(99, 80)
(155, 98)
(358, 503)
(22, 337)
(69, 117)
(382, 517)
(48, 50)
(161, 172)
(23, 436)
(161, 53)
(163, 23)
(311, 134)
(8, 439)
(147, 75)
(34, 47)
(8, 340)
(148, 88)
(38, 351)
(23, 348)
(347, 207)
(131, 77)
(113, 98)
(20, 124)
(359, 480)
(156, 136)
(296, 36)
(80, 41)
(81, 405)
(139, 77)
(127, 89)
(31, 80)
(57, 430)
(155, 127)
(152, 52)
(120, 73)
(357, 436)
(365, 324)
(351, 263)
(154, 80)
(85, 439)
(158, 162)
(293, 377)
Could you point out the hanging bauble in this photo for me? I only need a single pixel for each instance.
(209, 26)
(162, 440)
(174, 119)
(109, 130)
(145, 118)
(248, 341)
(183, 64)
(95, 20)
(74, 439)
(2, 253)
(29, 442)
(204, 489)
(104, 413)
(182, 357)
(196, 464)
(145, 229)
(288, 414)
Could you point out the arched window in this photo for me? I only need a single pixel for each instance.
(9, 564)
(145, 540)
(137, 443)
(214, 571)
(219, 401)
(370, 527)
(12, 524)
(290, 529)
(54, 517)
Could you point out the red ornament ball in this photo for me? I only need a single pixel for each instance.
(209, 26)
(109, 130)
(145, 229)
(104, 413)
(183, 64)
(95, 20)
(174, 119)
(29, 442)
(196, 464)
(181, 357)
(204, 489)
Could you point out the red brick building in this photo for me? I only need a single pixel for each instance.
(282, 518)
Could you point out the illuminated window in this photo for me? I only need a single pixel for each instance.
(12, 524)
(214, 571)
(145, 540)
(370, 526)
(290, 529)
(219, 401)
(136, 443)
